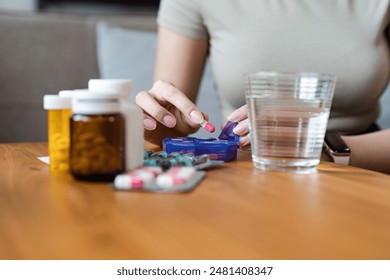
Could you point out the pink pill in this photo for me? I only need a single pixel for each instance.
(176, 176)
(155, 170)
(136, 179)
(208, 126)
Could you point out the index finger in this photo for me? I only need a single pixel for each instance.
(168, 92)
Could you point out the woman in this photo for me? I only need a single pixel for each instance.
(343, 37)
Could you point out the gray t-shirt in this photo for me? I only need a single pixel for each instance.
(343, 37)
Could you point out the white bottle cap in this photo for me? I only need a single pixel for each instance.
(120, 86)
(71, 93)
(88, 102)
(56, 102)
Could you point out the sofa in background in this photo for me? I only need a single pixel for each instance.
(43, 53)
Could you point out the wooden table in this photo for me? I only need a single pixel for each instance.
(237, 212)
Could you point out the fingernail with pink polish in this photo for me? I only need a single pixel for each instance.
(169, 121)
(244, 140)
(233, 117)
(149, 124)
(239, 129)
(196, 116)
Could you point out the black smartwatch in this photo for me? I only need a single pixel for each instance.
(336, 148)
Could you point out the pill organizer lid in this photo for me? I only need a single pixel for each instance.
(227, 132)
(88, 102)
(122, 87)
(56, 102)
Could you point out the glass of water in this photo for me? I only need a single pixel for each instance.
(288, 116)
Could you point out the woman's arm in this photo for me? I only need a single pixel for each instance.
(370, 151)
(180, 60)
(169, 105)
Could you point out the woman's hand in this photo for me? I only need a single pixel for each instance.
(242, 129)
(168, 112)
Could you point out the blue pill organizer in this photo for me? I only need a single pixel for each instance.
(222, 148)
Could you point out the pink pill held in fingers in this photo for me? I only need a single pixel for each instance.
(208, 126)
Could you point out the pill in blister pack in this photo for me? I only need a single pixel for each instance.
(138, 179)
(176, 179)
(176, 176)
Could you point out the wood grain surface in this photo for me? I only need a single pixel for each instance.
(236, 212)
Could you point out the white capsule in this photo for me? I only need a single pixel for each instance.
(134, 180)
(175, 177)
(182, 171)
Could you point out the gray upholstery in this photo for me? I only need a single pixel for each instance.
(42, 54)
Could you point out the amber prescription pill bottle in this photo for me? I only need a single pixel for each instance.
(59, 112)
(97, 130)
(134, 136)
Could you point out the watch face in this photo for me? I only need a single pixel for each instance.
(335, 143)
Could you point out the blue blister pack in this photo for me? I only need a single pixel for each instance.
(222, 148)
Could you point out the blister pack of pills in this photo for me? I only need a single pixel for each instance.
(154, 179)
(167, 160)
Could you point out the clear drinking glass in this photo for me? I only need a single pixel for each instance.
(288, 116)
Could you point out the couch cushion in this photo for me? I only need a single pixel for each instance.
(126, 54)
(40, 54)
(43, 53)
